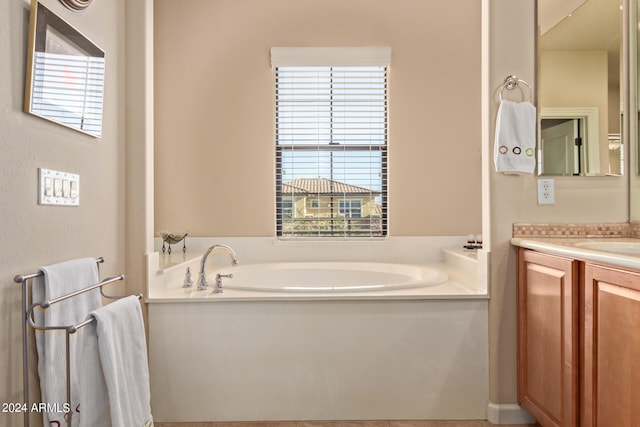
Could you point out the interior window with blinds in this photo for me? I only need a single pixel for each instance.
(331, 151)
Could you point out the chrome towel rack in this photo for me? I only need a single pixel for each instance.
(28, 320)
(513, 82)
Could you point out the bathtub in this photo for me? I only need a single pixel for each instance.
(328, 277)
(319, 340)
(458, 275)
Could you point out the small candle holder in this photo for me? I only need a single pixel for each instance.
(473, 242)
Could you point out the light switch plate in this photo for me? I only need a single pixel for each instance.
(58, 188)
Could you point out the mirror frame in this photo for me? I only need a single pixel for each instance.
(631, 20)
(65, 74)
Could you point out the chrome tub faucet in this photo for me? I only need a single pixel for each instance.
(202, 279)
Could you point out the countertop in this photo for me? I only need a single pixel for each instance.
(570, 247)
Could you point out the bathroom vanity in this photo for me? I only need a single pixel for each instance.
(579, 331)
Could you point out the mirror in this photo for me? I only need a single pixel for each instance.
(579, 101)
(634, 105)
(65, 74)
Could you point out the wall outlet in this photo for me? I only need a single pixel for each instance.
(546, 192)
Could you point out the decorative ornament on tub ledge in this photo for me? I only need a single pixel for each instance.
(76, 5)
(172, 239)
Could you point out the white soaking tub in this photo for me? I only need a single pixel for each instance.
(329, 277)
(378, 330)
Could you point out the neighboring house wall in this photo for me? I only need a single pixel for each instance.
(323, 209)
(324, 198)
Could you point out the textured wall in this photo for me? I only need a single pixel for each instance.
(34, 235)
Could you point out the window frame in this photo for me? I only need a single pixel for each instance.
(378, 215)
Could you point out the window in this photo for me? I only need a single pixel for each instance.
(350, 208)
(331, 148)
(287, 209)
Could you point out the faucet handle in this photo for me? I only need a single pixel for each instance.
(188, 281)
(219, 289)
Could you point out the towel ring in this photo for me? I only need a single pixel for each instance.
(512, 82)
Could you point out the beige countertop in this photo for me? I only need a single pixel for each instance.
(577, 248)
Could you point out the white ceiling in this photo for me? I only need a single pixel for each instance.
(580, 24)
(550, 12)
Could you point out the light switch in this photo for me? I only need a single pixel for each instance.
(58, 188)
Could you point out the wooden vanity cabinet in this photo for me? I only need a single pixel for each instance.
(610, 363)
(548, 341)
(578, 342)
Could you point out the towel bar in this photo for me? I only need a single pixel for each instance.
(74, 328)
(27, 320)
(47, 304)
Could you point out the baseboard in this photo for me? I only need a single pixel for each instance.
(508, 414)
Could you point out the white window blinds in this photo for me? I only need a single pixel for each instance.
(379, 56)
(331, 147)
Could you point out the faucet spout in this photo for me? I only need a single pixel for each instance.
(202, 279)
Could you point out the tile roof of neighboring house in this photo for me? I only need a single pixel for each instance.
(322, 186)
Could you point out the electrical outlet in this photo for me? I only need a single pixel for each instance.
(546, 192)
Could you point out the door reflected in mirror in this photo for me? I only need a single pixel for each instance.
(579, 72)
(562, 149)
(560, 141)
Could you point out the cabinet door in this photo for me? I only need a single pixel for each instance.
(611, 364)
(548, 338)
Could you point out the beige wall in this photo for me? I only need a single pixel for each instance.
(513, 198)
(573, 79)
(578, 79)
(34, 235)
(214, 108)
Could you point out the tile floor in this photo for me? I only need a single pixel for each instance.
(343, 424)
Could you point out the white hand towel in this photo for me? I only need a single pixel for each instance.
(58, 280)
(515, 138)
(94, 411)
(121, 343)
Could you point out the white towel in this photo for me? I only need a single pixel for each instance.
(515, 138)
(58, 280)
(121, 396)
(94, 411)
